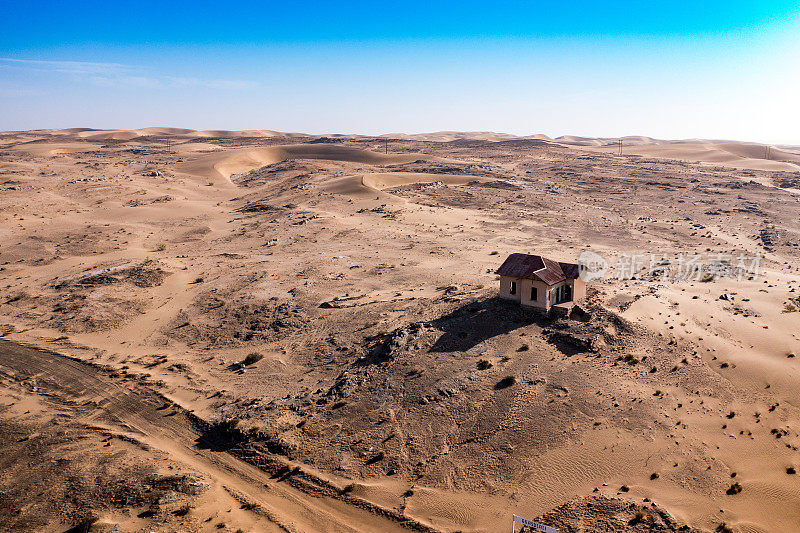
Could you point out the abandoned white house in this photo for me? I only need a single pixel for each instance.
(536, 281)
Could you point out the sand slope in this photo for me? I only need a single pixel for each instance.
(224, 164)
(717, 152)
(371, 293)
(736, 155)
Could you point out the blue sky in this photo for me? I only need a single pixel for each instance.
(670, 70)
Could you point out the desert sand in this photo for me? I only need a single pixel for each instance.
(391, 388)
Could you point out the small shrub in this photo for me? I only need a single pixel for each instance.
(506, 382)
(17, 297)
(85, 525)
(376, 458)
(161, 247)
(723, 528)
(707, 277)
(735, 488)
(252, 358)
(523, 348)
(791, 471)
(183, 510)
(349, 488)
(624, 488)
(654, 475)
(483, 364)
(637, 518)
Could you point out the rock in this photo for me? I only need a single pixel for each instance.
(579, 313)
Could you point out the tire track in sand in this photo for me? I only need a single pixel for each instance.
(134, 409)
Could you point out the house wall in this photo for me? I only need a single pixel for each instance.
(505, 288)
(578, 289)
(545, 293)
(541, 293)
(553, 291)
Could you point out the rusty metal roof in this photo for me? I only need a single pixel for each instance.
(547, 270)
(570, 270)
(520, 265)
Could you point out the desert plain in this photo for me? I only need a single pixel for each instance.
(265, 331)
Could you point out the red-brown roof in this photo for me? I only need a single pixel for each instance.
(571, 270)
(547, 270)
(520, 265)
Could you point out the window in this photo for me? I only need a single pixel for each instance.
(534, 294)
(513, 289)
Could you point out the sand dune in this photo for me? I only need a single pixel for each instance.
(194, 147)
(757, 151)
(224, 164)
(69, 131)
(229, 134)
(111, 135)
(718, 152)
(372, 185)
(736, 155)
(48, 149)
(447, 136)
(163, 131)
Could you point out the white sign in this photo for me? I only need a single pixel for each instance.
(531, 524)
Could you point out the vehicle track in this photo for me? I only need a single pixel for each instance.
(137, 411)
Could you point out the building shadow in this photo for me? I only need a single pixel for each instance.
(473, 323)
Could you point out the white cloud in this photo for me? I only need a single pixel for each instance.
(68, 67)
(118, 74)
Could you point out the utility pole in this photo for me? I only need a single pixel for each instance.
(768, 147)
(386, 146)
(620, 146)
